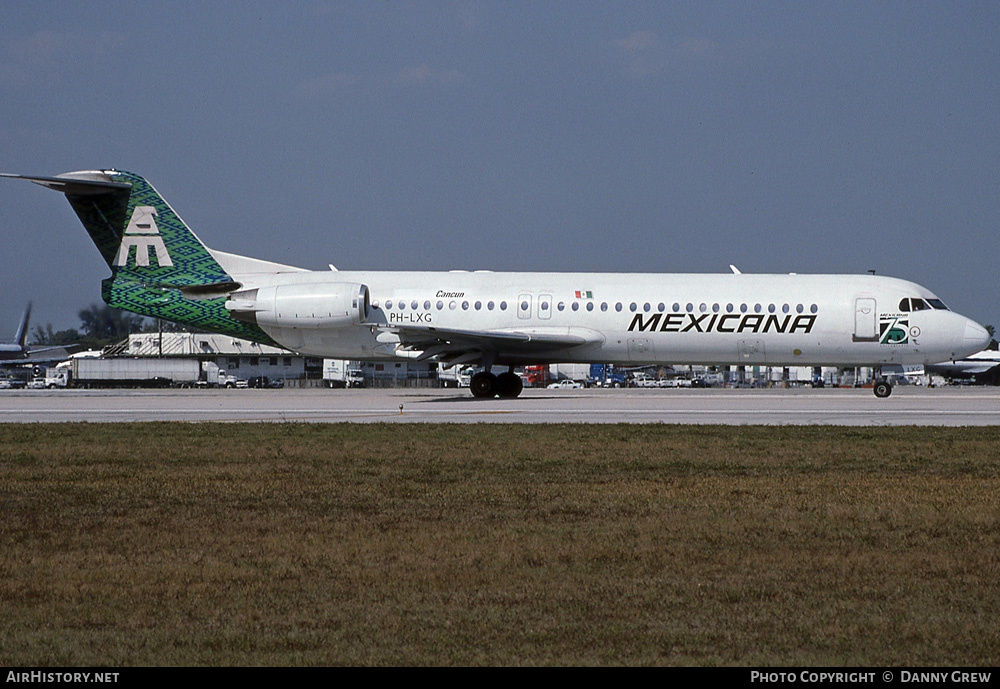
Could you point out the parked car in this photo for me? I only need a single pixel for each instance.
(37, 383)
(561, 384)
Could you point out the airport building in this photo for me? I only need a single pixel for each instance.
(240, 358)
(245, 359)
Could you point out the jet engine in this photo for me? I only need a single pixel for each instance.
(307, 305)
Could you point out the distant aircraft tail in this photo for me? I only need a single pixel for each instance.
(159, 268)
(21, 339)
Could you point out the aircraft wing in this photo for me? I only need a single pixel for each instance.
(39, 355)
(464, 346)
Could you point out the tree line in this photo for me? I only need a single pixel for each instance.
(100, 326)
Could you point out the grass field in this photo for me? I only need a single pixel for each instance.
(257, 544)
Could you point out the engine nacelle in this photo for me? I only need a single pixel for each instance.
(310, 305)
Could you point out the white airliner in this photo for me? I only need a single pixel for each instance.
(160, 269)
(981, 367)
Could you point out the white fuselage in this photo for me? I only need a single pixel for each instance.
(735, 319)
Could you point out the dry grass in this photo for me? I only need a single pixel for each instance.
(238, 544)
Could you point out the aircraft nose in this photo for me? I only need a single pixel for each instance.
(976, 336)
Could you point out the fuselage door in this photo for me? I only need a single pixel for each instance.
(640, 350)
(524, 306)
(544, 306)
(865, 320)
(751, 352)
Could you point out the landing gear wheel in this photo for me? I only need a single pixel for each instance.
(882, 389)
(509, 385)
(483, 384)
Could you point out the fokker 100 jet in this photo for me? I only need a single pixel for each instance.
(159, 268)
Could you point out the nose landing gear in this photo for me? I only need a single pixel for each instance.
(882, 388)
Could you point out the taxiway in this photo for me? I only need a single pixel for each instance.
(953, 406)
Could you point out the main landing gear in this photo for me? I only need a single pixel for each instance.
(485, 384)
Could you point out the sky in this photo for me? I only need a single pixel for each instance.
(809, 137)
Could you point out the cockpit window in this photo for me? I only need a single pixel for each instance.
(918, 304)
(904, 304)
(937, 304)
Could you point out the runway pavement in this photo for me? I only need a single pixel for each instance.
(950, 406)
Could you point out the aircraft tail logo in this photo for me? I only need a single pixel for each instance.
(143, 234)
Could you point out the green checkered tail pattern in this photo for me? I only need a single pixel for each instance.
(159, 268)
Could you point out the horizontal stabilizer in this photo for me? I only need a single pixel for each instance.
(76, 183)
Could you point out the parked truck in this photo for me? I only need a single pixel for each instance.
(606, 376)
(340, 373)
(455, 376)
(215, 377)
(536, 376)
(577, 372)
(123, 372)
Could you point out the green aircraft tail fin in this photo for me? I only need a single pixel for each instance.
(159, 268)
